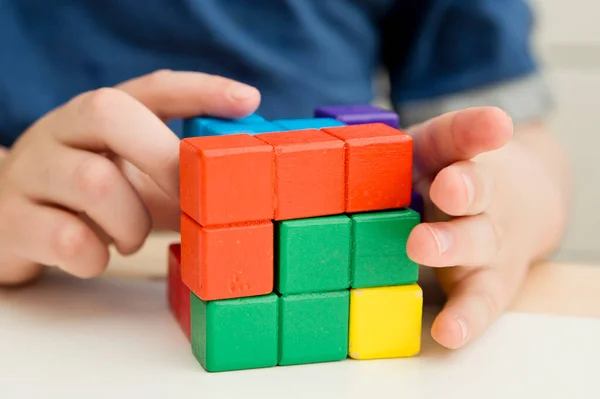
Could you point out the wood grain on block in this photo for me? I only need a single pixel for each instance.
(194, 127)
(226, 179)
(309, 173)
(228, 261)
(378, 166)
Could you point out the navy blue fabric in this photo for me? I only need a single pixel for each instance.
(300, 53)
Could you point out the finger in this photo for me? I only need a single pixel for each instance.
(459, 136)
(53, 237)
(172, 94)
(109, 120)
(15, 270)
(473, 305)
(467, 241)
(124, 120)
(89, 183)
(463, 188)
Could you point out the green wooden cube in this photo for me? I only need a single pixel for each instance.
(379, 248)
(313, 255)
(235, 334)
(314, 327)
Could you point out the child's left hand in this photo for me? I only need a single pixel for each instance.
(494, 204)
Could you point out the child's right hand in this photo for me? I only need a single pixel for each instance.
(102, 169)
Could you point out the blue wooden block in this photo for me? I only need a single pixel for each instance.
(194, 127)
(308, 123)
(225, 128)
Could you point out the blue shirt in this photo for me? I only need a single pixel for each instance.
(301, 54)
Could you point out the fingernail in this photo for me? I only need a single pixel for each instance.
(442, 239)
(470, 188)
(463, 330)
(241, 91)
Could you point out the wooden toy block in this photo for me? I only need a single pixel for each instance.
(417, 203)
(359, 114)
(313, 255)
(227, 262)
(314, 327)
(225, 128)
(385, 322)
(235, 334)
(177, 292)
(379, 248)
(226, 179)
(194, 127)
(378, 167)
(308, 123)
(309, 173)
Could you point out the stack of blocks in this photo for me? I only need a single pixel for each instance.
(293, 240)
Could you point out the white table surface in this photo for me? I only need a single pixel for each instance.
(115, 338)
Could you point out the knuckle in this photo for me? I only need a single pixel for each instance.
(99, 104)
(160, 76)
(497, 237)
(72, 239)
(486, 184)
(490, 298)
(489, 303)
(490, 233)
(96, 177)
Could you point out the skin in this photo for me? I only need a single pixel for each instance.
(102, 170)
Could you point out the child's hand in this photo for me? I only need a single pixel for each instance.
(493, 206)
(102, 169)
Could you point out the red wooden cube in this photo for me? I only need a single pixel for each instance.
(378, 166)
(309, 173)
(226, 179)
(228, 261)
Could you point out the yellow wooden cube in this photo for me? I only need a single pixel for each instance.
(385, 322)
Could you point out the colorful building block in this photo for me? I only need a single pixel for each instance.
(177, 292)
(235, 334)
(293, 240)
(313, 255)
(379, 248)
(359, 114)
(224, 128)
(417, 204)
(227, 262)
(308, 123)
(385, 322)
(194, 127)
(314, 327)
(226, 179)
(378, 167)
(309, 173)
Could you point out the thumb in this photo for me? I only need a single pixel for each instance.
(170, 94)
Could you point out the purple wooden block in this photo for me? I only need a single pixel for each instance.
(359, 114)
(417, 204)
